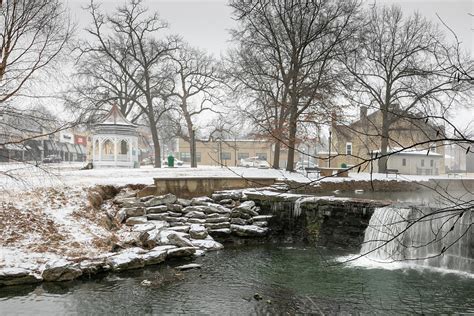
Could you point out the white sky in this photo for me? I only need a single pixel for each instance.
(205, 23)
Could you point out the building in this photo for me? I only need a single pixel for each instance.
(354, 143)
(229, 152)
(115, 142)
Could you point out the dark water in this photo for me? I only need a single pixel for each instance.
(290, 280)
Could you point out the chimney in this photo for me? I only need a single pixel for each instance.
(363, 112)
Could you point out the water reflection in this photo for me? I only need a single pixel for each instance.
(290, 280)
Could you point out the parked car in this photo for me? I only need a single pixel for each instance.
(254, 162)
(52, 159)
(301, 165)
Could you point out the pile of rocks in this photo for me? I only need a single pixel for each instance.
(156, 228)
(152, 218)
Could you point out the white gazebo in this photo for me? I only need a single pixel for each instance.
(115, 142)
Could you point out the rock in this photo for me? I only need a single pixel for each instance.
(121, 216)
(230, 195)
(199, 253)
(136, 220)
(175, 208)
(174, 214)
(217, 208)
(184, 202)
(130, 238)
(143, 227)
(157, 209)
(219, 219)
(154, 256)
(196, 214)
(162, 238)
(127, 201)
(181, 252)
(158, 217)
(228, 203)
(262, 218)
(91, 267)
(247, 205)
(180, 220)
(133, 211)
(126, 260)
(198, 231)
(213, 215)
(61, 270)
(207, 244)
(145, 283)
(159, 224)
(182, 229)
(220, 232)
(179, 241)
(161, 200)
(248, 230)
(196, 221)
(238, 214)
(198, 208)
(15, 276)
(150, 239)
(257, 297)
(240, 221)
(188, 266)
(217, 225)
(202, 200)
(261, 223)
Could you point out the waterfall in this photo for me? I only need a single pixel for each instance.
(424, 237)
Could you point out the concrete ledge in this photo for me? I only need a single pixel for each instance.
(199, 186)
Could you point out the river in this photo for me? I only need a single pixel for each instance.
(289, 279)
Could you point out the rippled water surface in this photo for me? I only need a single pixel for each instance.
(289, 279)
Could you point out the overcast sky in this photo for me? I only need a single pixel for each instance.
(205, 23)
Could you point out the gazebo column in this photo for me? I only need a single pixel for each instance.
(93, 149)
(100, 149)
(115, 150)
(130, 150)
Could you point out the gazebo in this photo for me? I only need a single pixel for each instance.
(115, 142)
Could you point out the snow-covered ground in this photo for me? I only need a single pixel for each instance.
(27, 177)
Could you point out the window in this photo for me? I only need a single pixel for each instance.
(262, 156)
(404, 162)
(225, 155)
(431, 163)
(123, 147)
(348, 148)
(185, 157)
(243, 155)
(433, 147)
(422, 162)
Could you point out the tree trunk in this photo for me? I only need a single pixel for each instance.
(276, 155)
(192, 150)
(156, 142)
(292, 139)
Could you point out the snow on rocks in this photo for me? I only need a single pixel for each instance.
(188, 266)
(161, 200)
(15, 276)
(181, 252)
(248, 230)
(198, 231)
(208, 244)
(61, 270)
(136, 220)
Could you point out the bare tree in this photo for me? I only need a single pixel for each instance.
(400, 66)
(196, 87)
(301, 40)
(128, 38)
(33, 34)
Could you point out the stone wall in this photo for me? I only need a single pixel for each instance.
(319, 221)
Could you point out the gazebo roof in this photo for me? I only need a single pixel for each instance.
(115, 117)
